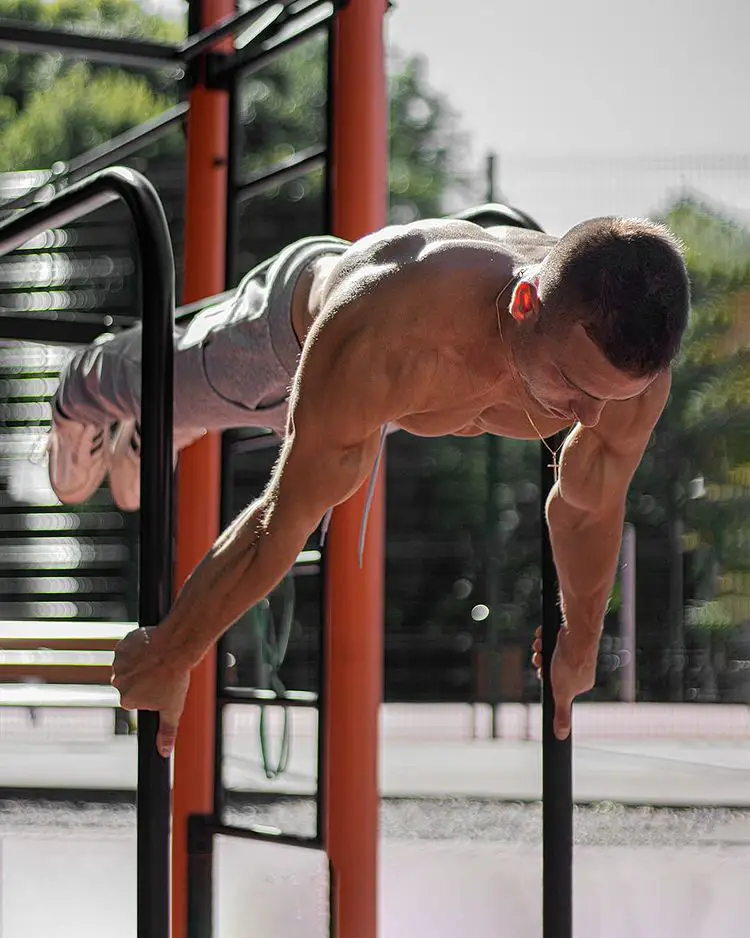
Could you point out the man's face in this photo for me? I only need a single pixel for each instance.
(570, 376)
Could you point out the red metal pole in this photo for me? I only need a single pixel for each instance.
(354, 596)
(198, 480)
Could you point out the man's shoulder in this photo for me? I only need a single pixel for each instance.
(625, 425)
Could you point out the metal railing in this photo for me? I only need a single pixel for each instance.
(155, 570)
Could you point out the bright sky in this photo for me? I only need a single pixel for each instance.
(564, 92)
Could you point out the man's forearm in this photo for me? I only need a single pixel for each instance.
(586, 548)
(242, 567)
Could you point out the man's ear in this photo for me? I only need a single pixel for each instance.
(524, 304)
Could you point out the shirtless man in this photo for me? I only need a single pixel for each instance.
(443, 327)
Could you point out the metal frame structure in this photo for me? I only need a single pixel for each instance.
(356, 162)
(155, 568)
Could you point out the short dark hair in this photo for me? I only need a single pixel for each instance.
(626, 282)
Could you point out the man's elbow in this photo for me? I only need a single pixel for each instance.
(588, 507)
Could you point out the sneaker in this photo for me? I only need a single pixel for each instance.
(125, 462)
(78, 458)
(125, 466)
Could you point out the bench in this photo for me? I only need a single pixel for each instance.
(61, 664)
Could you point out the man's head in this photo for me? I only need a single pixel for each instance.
(602, 316)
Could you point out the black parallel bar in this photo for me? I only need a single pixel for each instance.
(230, 25)
(251, 58)
(557, 774)
(266, 834)
(226, 514)
(129, 142)
(321, 800)
(133, 52)
(200, 860)
(157, 282)
(105, 155)
(298, 165)
(51, 332)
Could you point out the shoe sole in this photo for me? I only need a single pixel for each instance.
(76, 496)
(123, 495)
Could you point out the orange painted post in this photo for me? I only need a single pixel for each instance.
(198, 480)
(354, 596)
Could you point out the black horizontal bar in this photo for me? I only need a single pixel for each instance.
(105, 155)
(256, 55)
(134, 52)
(255, 695)
(190, 309)
(298, 165)
(64, 208)
(123, 145)
(230, 25)
(267, 834)
(48, 331)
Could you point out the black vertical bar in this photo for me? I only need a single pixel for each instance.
(200, 863)
(557, 774)
(234, 152)
(153, 805)
(321, 801)
(226, 513)
(226, 508)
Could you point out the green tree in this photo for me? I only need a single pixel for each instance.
(38, 91)
(689, 499)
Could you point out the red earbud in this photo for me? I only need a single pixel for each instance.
(523, 303)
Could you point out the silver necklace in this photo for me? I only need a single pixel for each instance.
(555, 465)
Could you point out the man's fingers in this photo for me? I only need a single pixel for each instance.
(166, 735)
(563, 715)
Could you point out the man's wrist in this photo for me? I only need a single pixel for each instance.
(583, 643)
(172, 646)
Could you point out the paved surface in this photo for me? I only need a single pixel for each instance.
(639, 755)
(78, 886)
(684, 774)
(461, 854)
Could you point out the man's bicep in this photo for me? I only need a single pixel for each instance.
(598, 463)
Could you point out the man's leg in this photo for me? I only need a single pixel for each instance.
(234, 363)
(99, 386)
(233, 367)
(98, 398)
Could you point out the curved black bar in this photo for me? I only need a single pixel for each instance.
(495, 213)
(158, 297)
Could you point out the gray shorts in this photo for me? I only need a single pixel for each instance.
(233, 363)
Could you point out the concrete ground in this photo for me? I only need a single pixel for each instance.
(680, 756)
(662, 830)
(448, 869)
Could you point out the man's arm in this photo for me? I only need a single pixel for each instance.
(586, 510)
(337, 407)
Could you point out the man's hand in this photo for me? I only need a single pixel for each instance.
(147, 680)
(573, 673)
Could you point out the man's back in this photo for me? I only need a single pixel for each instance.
(407, 331)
